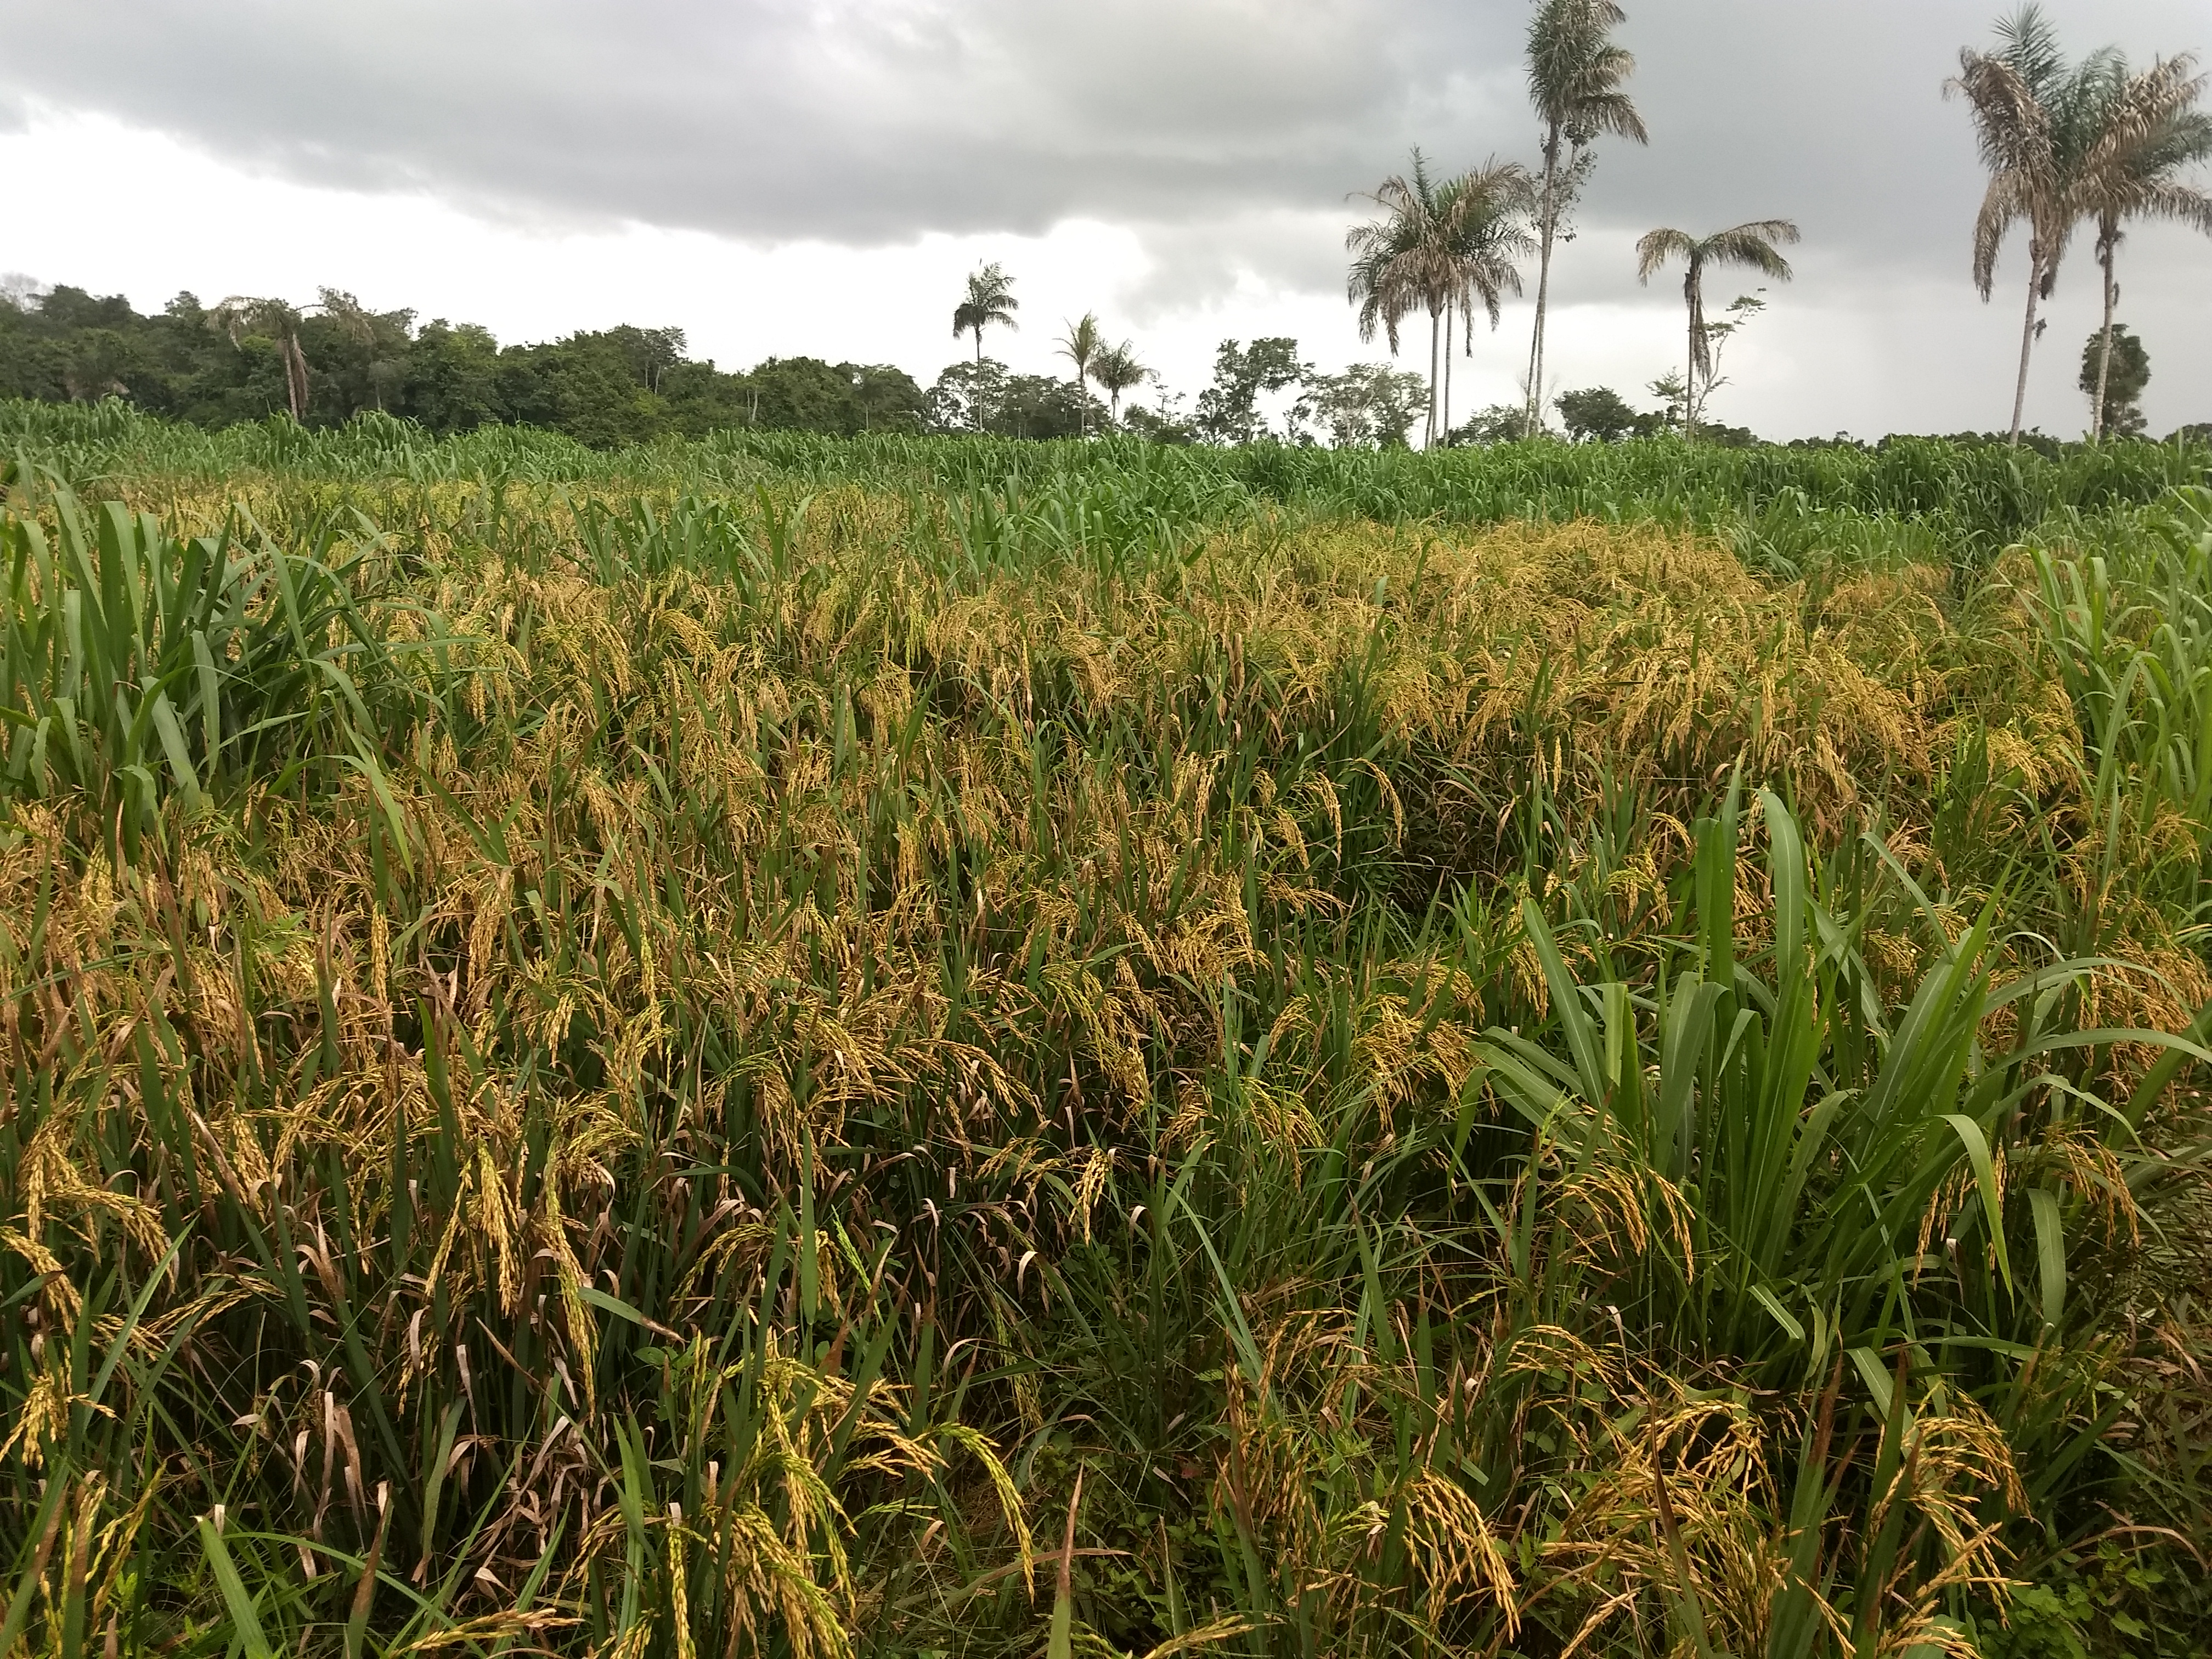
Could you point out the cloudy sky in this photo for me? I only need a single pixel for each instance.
(786, 176)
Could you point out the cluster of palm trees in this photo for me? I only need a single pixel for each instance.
(1114, 367)
(1443, 246)
(1440, 246)
(990, 302)
(2066, 145)
(2074, 144)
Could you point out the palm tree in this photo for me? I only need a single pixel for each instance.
(1117, 371)
(2036, 122)
(1575, 73)
(2154, 130)
(1482, 216)
(1751, 243)
(990, 299)
(1082, 346)
(1438, 247)
(241, 315)
(1391, 262)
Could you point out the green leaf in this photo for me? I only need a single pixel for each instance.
(1766, 1299)
(364, 763)
(1248, 1350)
(2050, 1250)
(1985, 1176)
(621, 1310)
(174, 746)
(1060, 1644)
(1875, 1375)
(1567, 1005)
(28, 1587)
(210, 700)
(245, 1622)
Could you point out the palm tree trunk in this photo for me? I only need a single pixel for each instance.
(1447, 345)
(978, 345)
(1689, 377)
(295, 378)
(2104, 344)
(2027, 340)
(1546, 217)
(1433, 330)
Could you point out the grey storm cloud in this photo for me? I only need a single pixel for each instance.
(868, 121)
(1226, 134)
(854, 120)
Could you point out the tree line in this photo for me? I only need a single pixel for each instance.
(246, 357)
(2094, 145)
(1368, 406)
(2074, 144)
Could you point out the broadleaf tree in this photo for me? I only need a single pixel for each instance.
(2115, 369)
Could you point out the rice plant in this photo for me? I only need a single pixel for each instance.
(787, 1046)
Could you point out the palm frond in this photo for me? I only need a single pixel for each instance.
(2012, 127)
(1082, 343)
(989, 302)
(2183, 204)
(1655, 248)
(1612, 112)
(1752, 245)
(2030, 45)
(2004, 204)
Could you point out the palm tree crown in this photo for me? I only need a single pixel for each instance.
(1482, 216)
(990, 301)
(1751, 245)
(1117, 370)
(2151, 132)
(1081, 345)
(279, 321)
(1575, 76)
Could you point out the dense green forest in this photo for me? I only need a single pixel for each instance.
(213, 367)
(247, 359)
(244, 361)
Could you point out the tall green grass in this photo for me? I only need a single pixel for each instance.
(1785, 508)
(134, 664)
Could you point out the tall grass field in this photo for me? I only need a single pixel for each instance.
(786, 1046)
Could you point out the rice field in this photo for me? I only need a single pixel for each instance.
(804, 1047)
